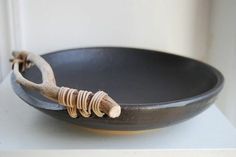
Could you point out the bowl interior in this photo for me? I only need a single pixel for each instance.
(130, 76)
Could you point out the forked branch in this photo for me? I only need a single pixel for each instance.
(71, 98)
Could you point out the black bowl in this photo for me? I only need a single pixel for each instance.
(154, 89)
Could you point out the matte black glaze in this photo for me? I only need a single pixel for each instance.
(154, 89)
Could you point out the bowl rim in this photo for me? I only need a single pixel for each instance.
(167, 104)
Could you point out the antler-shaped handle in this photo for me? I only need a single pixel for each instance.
(49, 89)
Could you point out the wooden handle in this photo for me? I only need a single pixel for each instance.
(48, 87)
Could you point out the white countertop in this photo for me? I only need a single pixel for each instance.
(23, 127)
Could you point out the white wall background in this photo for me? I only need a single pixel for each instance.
(174, 26)
(201, 29)
(222, 52)
(5, 45)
